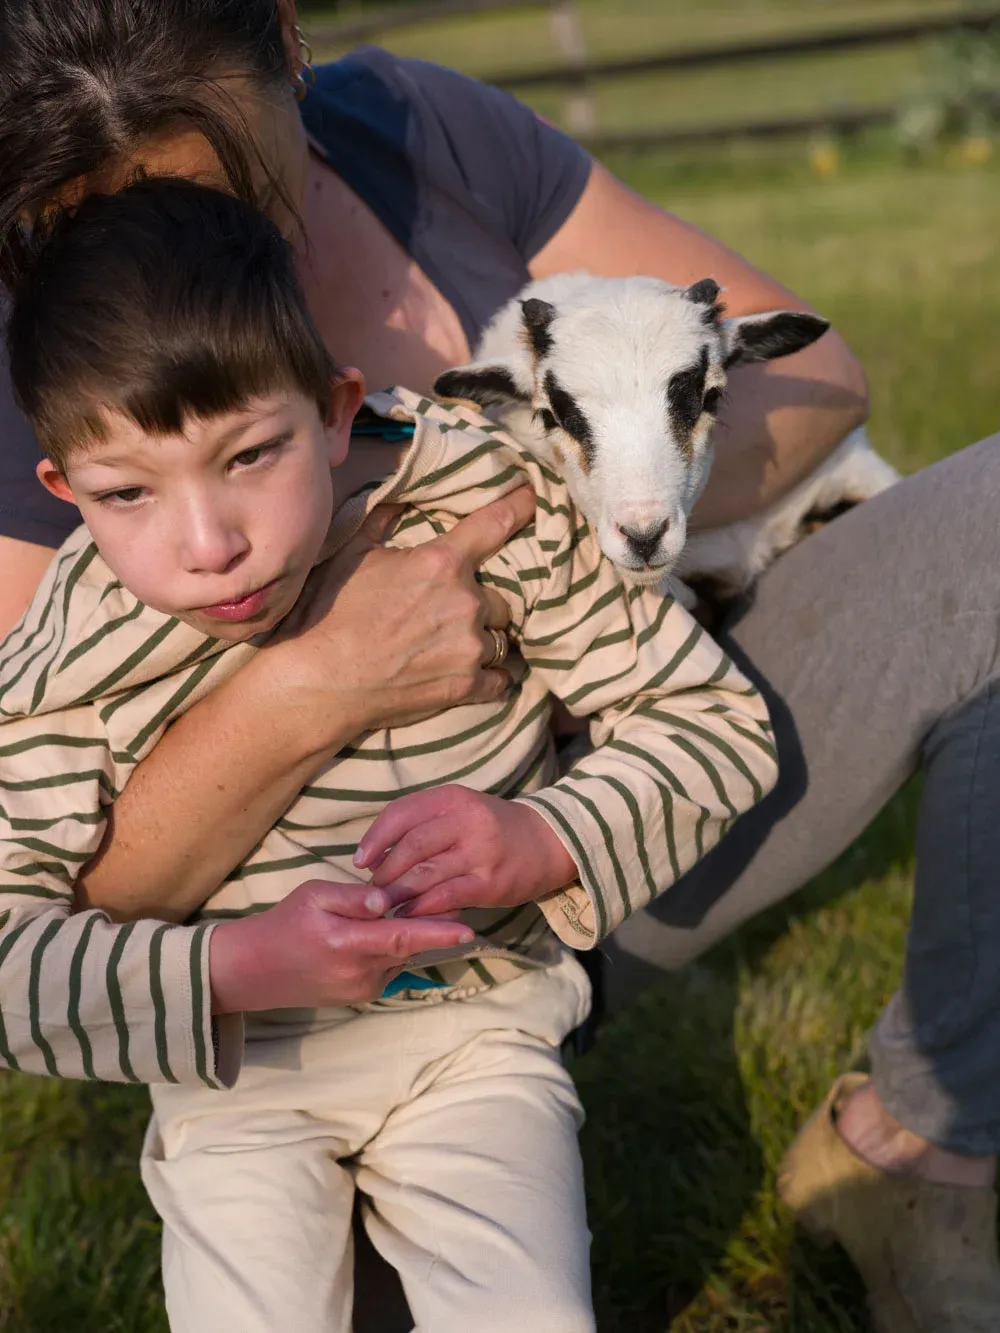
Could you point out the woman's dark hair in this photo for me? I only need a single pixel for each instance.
(165, 301)
(84, 83)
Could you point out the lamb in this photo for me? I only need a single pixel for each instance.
(615, 383)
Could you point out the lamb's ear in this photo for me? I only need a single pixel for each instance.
(537, 316)
(704, 292)
(766, 337)
(484, 382)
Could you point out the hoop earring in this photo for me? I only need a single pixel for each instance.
(305, 75)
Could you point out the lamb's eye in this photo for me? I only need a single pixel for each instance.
(548, 419)
(711, 400)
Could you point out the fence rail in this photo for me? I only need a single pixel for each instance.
(348, 32)
(839, 39)
(577, 73)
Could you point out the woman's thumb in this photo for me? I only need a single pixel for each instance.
(362, 902)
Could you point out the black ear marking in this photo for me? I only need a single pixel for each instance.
(487, 385)
(768, 338)
(703, 292)
(538, 315)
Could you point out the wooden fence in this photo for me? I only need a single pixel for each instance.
(577, 73)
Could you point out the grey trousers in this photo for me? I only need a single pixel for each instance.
(877, 645)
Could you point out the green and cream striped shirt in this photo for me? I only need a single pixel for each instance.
(90, 679)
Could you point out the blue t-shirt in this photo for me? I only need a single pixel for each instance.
(468, 180)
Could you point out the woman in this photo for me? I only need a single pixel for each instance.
(425, 201)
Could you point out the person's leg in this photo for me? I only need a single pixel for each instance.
(877, 644)
(256, 1217)
(255, 1201)
(473, 1188)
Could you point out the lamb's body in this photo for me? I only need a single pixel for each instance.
(614, 382)
(732, 557)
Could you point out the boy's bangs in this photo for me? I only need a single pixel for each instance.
(166, 302)
(206, 386)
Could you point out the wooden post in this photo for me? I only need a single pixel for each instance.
(570, 43)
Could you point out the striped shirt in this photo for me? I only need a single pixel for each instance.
(91, 678)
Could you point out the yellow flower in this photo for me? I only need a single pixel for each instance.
(824, 159)
(973, 151)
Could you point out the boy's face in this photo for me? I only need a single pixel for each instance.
(220, 524)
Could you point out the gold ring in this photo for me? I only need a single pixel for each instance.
(502, 648)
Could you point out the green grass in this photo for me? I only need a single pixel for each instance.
(493, 44)
(694, 1093)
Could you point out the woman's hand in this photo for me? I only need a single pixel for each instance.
(389, 636)
(450, 848)
(325, 944)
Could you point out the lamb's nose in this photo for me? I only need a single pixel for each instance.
(644, 541)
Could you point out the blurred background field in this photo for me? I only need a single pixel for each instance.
(694, 1093)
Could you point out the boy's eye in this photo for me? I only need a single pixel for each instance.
(260, 453)
(128, 495)
(249, 456)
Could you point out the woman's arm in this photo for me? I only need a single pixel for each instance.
(22, 565)
(781, 418)
(390, 636)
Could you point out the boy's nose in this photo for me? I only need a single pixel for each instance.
(214, 548)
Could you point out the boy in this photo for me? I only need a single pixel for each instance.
(163, 352)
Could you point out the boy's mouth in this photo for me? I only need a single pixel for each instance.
(241, 608)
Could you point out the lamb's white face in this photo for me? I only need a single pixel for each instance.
(616, 383)
(625, 399)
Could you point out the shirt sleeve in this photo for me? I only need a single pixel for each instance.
(27, 511)
(683, 740)
(522, 174)
(81, 997)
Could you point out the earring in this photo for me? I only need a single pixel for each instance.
(305, 76)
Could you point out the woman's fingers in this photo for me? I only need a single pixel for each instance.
(403, 939)
(358, 902)
(496, 610)
(478, 536)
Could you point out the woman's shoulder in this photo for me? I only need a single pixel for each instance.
(423, 123)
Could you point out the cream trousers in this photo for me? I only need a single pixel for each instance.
(457, 1122)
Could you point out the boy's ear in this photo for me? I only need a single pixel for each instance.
(347, 395)
(54, 480)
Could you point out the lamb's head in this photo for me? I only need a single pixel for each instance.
(616, 382)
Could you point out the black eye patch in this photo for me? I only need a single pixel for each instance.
(568, 415)
(685, 394)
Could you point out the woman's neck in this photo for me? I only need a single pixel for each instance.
(372, 303)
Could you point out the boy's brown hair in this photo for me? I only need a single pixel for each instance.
(166, 301)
